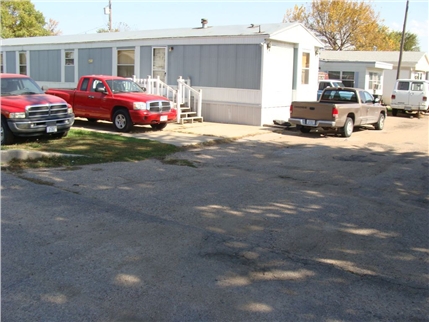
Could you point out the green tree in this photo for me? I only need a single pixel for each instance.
(345, 25)
(21, 19)
(411, 42)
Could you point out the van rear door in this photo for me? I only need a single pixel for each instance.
(416, 94)
(401, 94)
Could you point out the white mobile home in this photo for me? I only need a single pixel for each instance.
(248, 74)
(375, 71)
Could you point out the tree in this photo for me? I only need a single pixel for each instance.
(122, 26)
(411, 42)
(52, 26)
(344, 25)
(21, 19)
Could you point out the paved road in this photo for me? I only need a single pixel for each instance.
(280, 226)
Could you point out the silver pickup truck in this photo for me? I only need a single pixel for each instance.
(340, 109)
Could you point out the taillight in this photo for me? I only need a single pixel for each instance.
(334, 112)
(291, 109)
(425, 98)
(393, 97)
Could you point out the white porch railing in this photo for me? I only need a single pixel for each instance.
(186, 99)
(189, 101)
(157, 87)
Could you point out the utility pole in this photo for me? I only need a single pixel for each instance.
(108, 11)
(402, 41)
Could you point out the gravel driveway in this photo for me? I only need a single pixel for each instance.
(281, 226)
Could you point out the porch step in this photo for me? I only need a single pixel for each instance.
(187, 114)
(191, 119)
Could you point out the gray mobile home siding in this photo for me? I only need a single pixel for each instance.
(227, 66)
(10, 62)
(45, 65)
(146, 62)
(95, 61)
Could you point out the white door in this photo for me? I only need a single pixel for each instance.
(159, 63)
(416, 94)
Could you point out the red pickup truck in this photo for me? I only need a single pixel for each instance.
(27, 111)
(118, 100)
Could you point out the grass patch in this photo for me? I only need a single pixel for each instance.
(89, 148)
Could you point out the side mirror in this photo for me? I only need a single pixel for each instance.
(45, 88)
(100, 89)
(376, 100)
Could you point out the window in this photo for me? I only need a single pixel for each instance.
(418, 75)
(305, 74)
(96, 83)
(403, 86)
(1, 61)
(69, 58)
(374, 81)
(23, 63)
(84, 85)
(347, 78)
(334, 75)
(126, 63)
(417, 87)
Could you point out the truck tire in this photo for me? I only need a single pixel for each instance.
(305, 129)
(122, 121)
(347, 130)
(7, 136)
(158, 127)
(380, 124)
(394, 111)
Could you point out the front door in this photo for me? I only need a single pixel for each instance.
(159, 63)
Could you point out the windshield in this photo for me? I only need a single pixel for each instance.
(124, 86)
(19, 86)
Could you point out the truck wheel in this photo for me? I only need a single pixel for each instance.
(158, 127)
(122, 121)
(380, 124)
(304, 129)
(7, 136)
(394, 111)
(347, 130)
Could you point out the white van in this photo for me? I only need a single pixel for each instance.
(410, 96)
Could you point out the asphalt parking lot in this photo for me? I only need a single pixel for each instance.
(274, 226)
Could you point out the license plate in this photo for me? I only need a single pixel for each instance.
(311, 122)
(163, 118)
(51, 129)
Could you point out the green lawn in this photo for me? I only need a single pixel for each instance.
(89, 148)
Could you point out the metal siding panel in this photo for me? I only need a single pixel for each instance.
(208, 66)
(69, 74)
(192, 63)
(11, 62)
(175, 64)
(248, 66)
(227, 66)
(145, 61)
(45, 65)
(101, 61)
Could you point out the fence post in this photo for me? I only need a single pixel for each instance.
(200, 102)
(179, 98)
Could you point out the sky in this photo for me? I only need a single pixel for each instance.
(86, 16)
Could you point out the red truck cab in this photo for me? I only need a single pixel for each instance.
(27, 111)
(119, 100)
